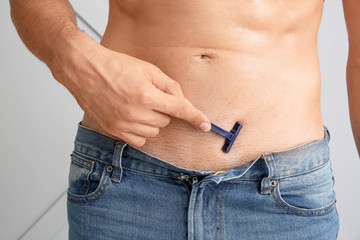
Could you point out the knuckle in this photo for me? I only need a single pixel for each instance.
(147, 74)
(179, 111)
(129, 114)
(156, 68)
(121, 126)
(151, 68)
(177, 86)
(117, 127)
(145, 98)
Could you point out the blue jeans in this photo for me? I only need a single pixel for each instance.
(117, 191)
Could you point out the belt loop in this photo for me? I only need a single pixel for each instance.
(117, 172)
(267, 183)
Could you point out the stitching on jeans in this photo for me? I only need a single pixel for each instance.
(91, 157)
(221, 210)
(272, 166)
(146, 173)
(244, 179)
(86, 155)
(216, 207)
(306, 215)
(193, 218)
(306, 212)
(296, 208)
(80, 164)
(90, 167)
(156, 175)
(90, 198)
(286, 176)
(113, 162)
(305, 172)
(79, 161)
(116, 162)
(264, 185)
(86, 185)
(95, 159)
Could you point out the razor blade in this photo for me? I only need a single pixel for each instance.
(230, 136)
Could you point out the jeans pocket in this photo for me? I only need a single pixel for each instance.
(308, 194)
(88, 178)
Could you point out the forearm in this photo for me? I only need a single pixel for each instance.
(353, 88)
(48, 29)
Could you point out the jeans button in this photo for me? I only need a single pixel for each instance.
(273, 183)
(109, 169)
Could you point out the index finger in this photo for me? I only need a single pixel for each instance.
(178, 108)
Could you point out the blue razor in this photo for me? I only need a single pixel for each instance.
(230, 136)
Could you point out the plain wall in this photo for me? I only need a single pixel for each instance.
(39, 120)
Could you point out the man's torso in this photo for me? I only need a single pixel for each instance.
(254, 62)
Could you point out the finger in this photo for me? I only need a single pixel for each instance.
(133, 139)
(155, 119)
(128, 133)
(167, 85)
(140, 129)
(148, 116)
(177, 108)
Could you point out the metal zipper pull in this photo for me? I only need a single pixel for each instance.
(187, 178)
(183, 177)
(193, 181)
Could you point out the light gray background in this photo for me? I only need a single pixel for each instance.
(39, 120)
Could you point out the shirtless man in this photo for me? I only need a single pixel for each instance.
(252, 62)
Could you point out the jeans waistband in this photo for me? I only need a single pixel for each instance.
(273, 164)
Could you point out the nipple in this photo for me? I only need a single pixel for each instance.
(230, 136)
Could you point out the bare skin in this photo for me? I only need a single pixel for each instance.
(255, 62)
(258, 65)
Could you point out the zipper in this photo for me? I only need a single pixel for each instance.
(188, 179)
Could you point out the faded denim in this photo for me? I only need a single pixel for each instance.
(117, 191)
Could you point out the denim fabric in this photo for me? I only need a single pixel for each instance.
(117, 191)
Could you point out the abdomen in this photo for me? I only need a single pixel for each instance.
(254, 62)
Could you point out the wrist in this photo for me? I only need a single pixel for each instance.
(70, 45)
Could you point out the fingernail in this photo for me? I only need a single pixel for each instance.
(204, 126)
(187, 100)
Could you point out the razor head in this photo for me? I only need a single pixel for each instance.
(230, 140)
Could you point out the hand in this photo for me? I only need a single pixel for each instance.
(129, 98)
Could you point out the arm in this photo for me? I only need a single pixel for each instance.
(352, 18)
(129, 98)
(48, 29)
